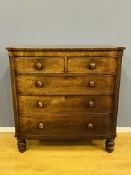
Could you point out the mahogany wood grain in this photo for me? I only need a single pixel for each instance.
(66, 126)
(65, 104)
(82, 64)
(65, 93)
(49, 64)
(64, 84)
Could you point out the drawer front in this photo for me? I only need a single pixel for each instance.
(39, 64)
(66, 126)
(65, 104)
(92, 65)
(48, 85)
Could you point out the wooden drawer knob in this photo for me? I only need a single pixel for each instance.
(39, 65)
(40, 104)
(91, 104)
(92, 84)
(92, 65)
(90, 125)
(41, 125)
(39, 83)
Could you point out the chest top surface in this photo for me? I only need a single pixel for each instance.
(67, 47)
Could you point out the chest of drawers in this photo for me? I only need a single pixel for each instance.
(65, 93)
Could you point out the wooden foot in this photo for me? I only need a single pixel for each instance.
(109, 144)
(21, 145)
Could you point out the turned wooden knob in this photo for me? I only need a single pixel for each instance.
(39, 83)
(92, 65)
(41, 125)
(40, 104)
(92, 84)
(39, 65)
(90, 125)
(90, 104)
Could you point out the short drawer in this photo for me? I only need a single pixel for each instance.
(49, 85)
(39, 64)
(65, 104)
(66, 126)
(92, 65)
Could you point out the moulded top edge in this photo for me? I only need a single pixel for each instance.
(62, 48)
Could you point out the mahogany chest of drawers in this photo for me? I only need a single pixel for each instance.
(65, 93)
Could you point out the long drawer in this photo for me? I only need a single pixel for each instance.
(90, 125)
(65, 104)
(64, 84)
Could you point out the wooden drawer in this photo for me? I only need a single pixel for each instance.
(39, 64)
(66, 126)
(92, 65)
(28, 84)
(65, 104)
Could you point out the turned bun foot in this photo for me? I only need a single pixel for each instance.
(110, 145)
(21, 145)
